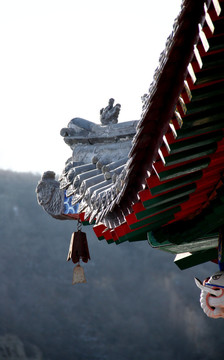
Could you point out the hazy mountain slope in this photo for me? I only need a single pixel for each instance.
(136, 304)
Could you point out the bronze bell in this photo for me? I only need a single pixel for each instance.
(78, 250)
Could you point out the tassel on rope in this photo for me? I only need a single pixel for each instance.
(78, 275)
(78, 250)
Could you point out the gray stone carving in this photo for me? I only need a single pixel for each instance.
(92, 177)
(90, 141)
(50, 196)
(110, 113)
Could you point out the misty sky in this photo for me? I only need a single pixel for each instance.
(65, 59)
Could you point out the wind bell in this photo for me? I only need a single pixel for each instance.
(78, 249)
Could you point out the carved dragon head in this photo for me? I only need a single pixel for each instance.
(212, 295)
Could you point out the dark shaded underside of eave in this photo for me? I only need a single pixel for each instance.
(162, 105)
(209, 220)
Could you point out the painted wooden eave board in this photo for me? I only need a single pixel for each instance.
(203, 145)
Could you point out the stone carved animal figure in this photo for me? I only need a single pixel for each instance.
(212, 295)
(110, 113)
(50, 196)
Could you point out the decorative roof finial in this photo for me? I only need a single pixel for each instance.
(110, 113)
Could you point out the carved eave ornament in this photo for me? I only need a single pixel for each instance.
(93, 176)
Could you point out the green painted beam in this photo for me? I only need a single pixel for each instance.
(211, 102)
(191, 154)
(187, 231)
(216, 43)
(204, 93)
(185, 169)
(137, 235)
(111, 241)
(173, 184)
(171, 195)
(86, 223)
(203, 117)
(198, 244)
(188, 260)
(164, 216)
(215, 60)
(213, 123)
(161, 208)
(206, 76)
(196, 142)
(140, 234)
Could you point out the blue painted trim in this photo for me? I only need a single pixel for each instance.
(218, 286)
(68, 207)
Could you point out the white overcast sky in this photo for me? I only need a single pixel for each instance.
(65, 59)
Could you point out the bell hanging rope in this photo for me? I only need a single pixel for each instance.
(78, 250)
